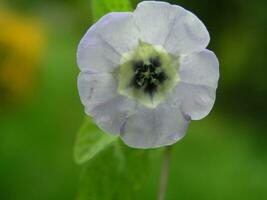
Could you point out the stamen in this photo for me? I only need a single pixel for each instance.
(138, 65)
(150, 88)
(161, 77)
(155, 61)
(148, 76)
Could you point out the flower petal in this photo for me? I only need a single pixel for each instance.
(151, 128)
(171, 26)
(99, 95)
(155, 20)
(101, 48)
(188, 34)
(200, 68)
(195, 101)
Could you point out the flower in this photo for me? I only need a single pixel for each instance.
(146, 74)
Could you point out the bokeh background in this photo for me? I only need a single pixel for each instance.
(223, 156)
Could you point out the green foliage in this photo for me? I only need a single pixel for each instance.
(111, 170)
(90, 141)
(118, 172)
(102, 7)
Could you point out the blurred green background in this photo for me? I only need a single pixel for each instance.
(223, 156)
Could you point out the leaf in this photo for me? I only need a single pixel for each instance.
(118, 173)
(101, 7)
(90, 141)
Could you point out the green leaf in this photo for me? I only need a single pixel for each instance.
(101, 7)
(90, 141)
(118, 173)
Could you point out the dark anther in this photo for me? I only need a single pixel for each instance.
(155, 61)
(161, 77)
(138, 65)
(138, 82)
(150, 88)
(151, 68)
(148, 76)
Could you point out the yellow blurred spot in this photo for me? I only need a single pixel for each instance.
(21, 44)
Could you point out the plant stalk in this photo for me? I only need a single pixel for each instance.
(166, 158)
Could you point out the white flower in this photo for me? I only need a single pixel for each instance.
(146, 74)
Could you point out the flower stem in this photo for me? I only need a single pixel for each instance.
(166, 157)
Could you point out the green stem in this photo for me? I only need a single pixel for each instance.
(164, 173)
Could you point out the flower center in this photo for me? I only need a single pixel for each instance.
(148, 74)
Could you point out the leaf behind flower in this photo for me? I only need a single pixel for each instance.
(101, 7)
(90, 141)
(118, 172)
